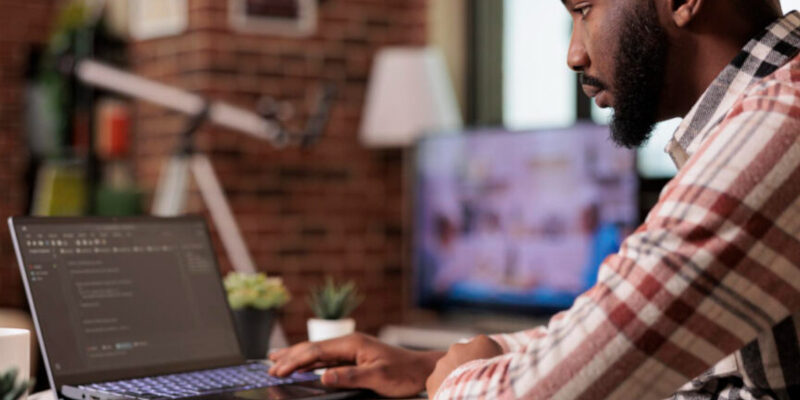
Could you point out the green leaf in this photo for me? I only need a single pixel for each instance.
(255, 290)
(8, 389)
(333, 301)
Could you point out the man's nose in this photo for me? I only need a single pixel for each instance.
(577, 57)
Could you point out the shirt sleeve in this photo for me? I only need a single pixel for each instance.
(715, 264)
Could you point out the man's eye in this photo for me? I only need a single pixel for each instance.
(583, 10)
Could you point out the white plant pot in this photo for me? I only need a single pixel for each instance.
(324, 329)
(15, 346)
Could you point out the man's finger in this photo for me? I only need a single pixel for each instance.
(351, 377)
(277, 354)
(304, 354)
(317, 365)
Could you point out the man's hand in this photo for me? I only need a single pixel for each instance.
(481, 347)
(359, 361)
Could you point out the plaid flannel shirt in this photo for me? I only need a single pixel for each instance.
(711, 280)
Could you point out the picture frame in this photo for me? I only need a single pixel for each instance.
(151, 19)
(276, 17)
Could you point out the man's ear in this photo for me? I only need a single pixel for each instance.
(684, 11)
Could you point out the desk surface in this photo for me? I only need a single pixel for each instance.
(48, 395)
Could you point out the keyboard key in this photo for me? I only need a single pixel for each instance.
(176, 386)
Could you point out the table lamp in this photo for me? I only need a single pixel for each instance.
(409, 94)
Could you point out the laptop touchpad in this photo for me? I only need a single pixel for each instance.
(279, 393)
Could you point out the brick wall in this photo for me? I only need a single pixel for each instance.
(332, 209)
(22, 24)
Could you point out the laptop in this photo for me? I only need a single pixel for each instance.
(134, 308)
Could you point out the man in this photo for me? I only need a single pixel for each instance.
(707, 290)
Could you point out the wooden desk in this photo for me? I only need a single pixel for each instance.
(48, 395)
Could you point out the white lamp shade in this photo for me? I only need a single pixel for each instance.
(409, 94)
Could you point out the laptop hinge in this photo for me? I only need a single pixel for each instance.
(77, 393)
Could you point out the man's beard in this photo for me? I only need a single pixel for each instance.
(638, 76)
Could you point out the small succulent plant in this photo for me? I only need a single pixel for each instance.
(255, 291)
(334, 301)
(9, 389)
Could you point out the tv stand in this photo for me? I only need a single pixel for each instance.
(439, 333)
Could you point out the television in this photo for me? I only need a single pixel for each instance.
(517, 221)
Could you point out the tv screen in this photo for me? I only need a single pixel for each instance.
(518, 220)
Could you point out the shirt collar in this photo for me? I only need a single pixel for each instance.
(769, 50)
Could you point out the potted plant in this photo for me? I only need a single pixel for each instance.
(254, 299)
(9, 389)
(332, 303)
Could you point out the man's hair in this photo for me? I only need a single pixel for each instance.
(758, 8)
(758, 12)
(775, 4)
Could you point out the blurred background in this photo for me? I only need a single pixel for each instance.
(349, 197)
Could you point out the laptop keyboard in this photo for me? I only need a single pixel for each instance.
(198, 383)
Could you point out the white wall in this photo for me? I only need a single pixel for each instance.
(447, 31)
(789, 5)
(539, 89)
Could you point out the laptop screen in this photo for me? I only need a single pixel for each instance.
(122, 298)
